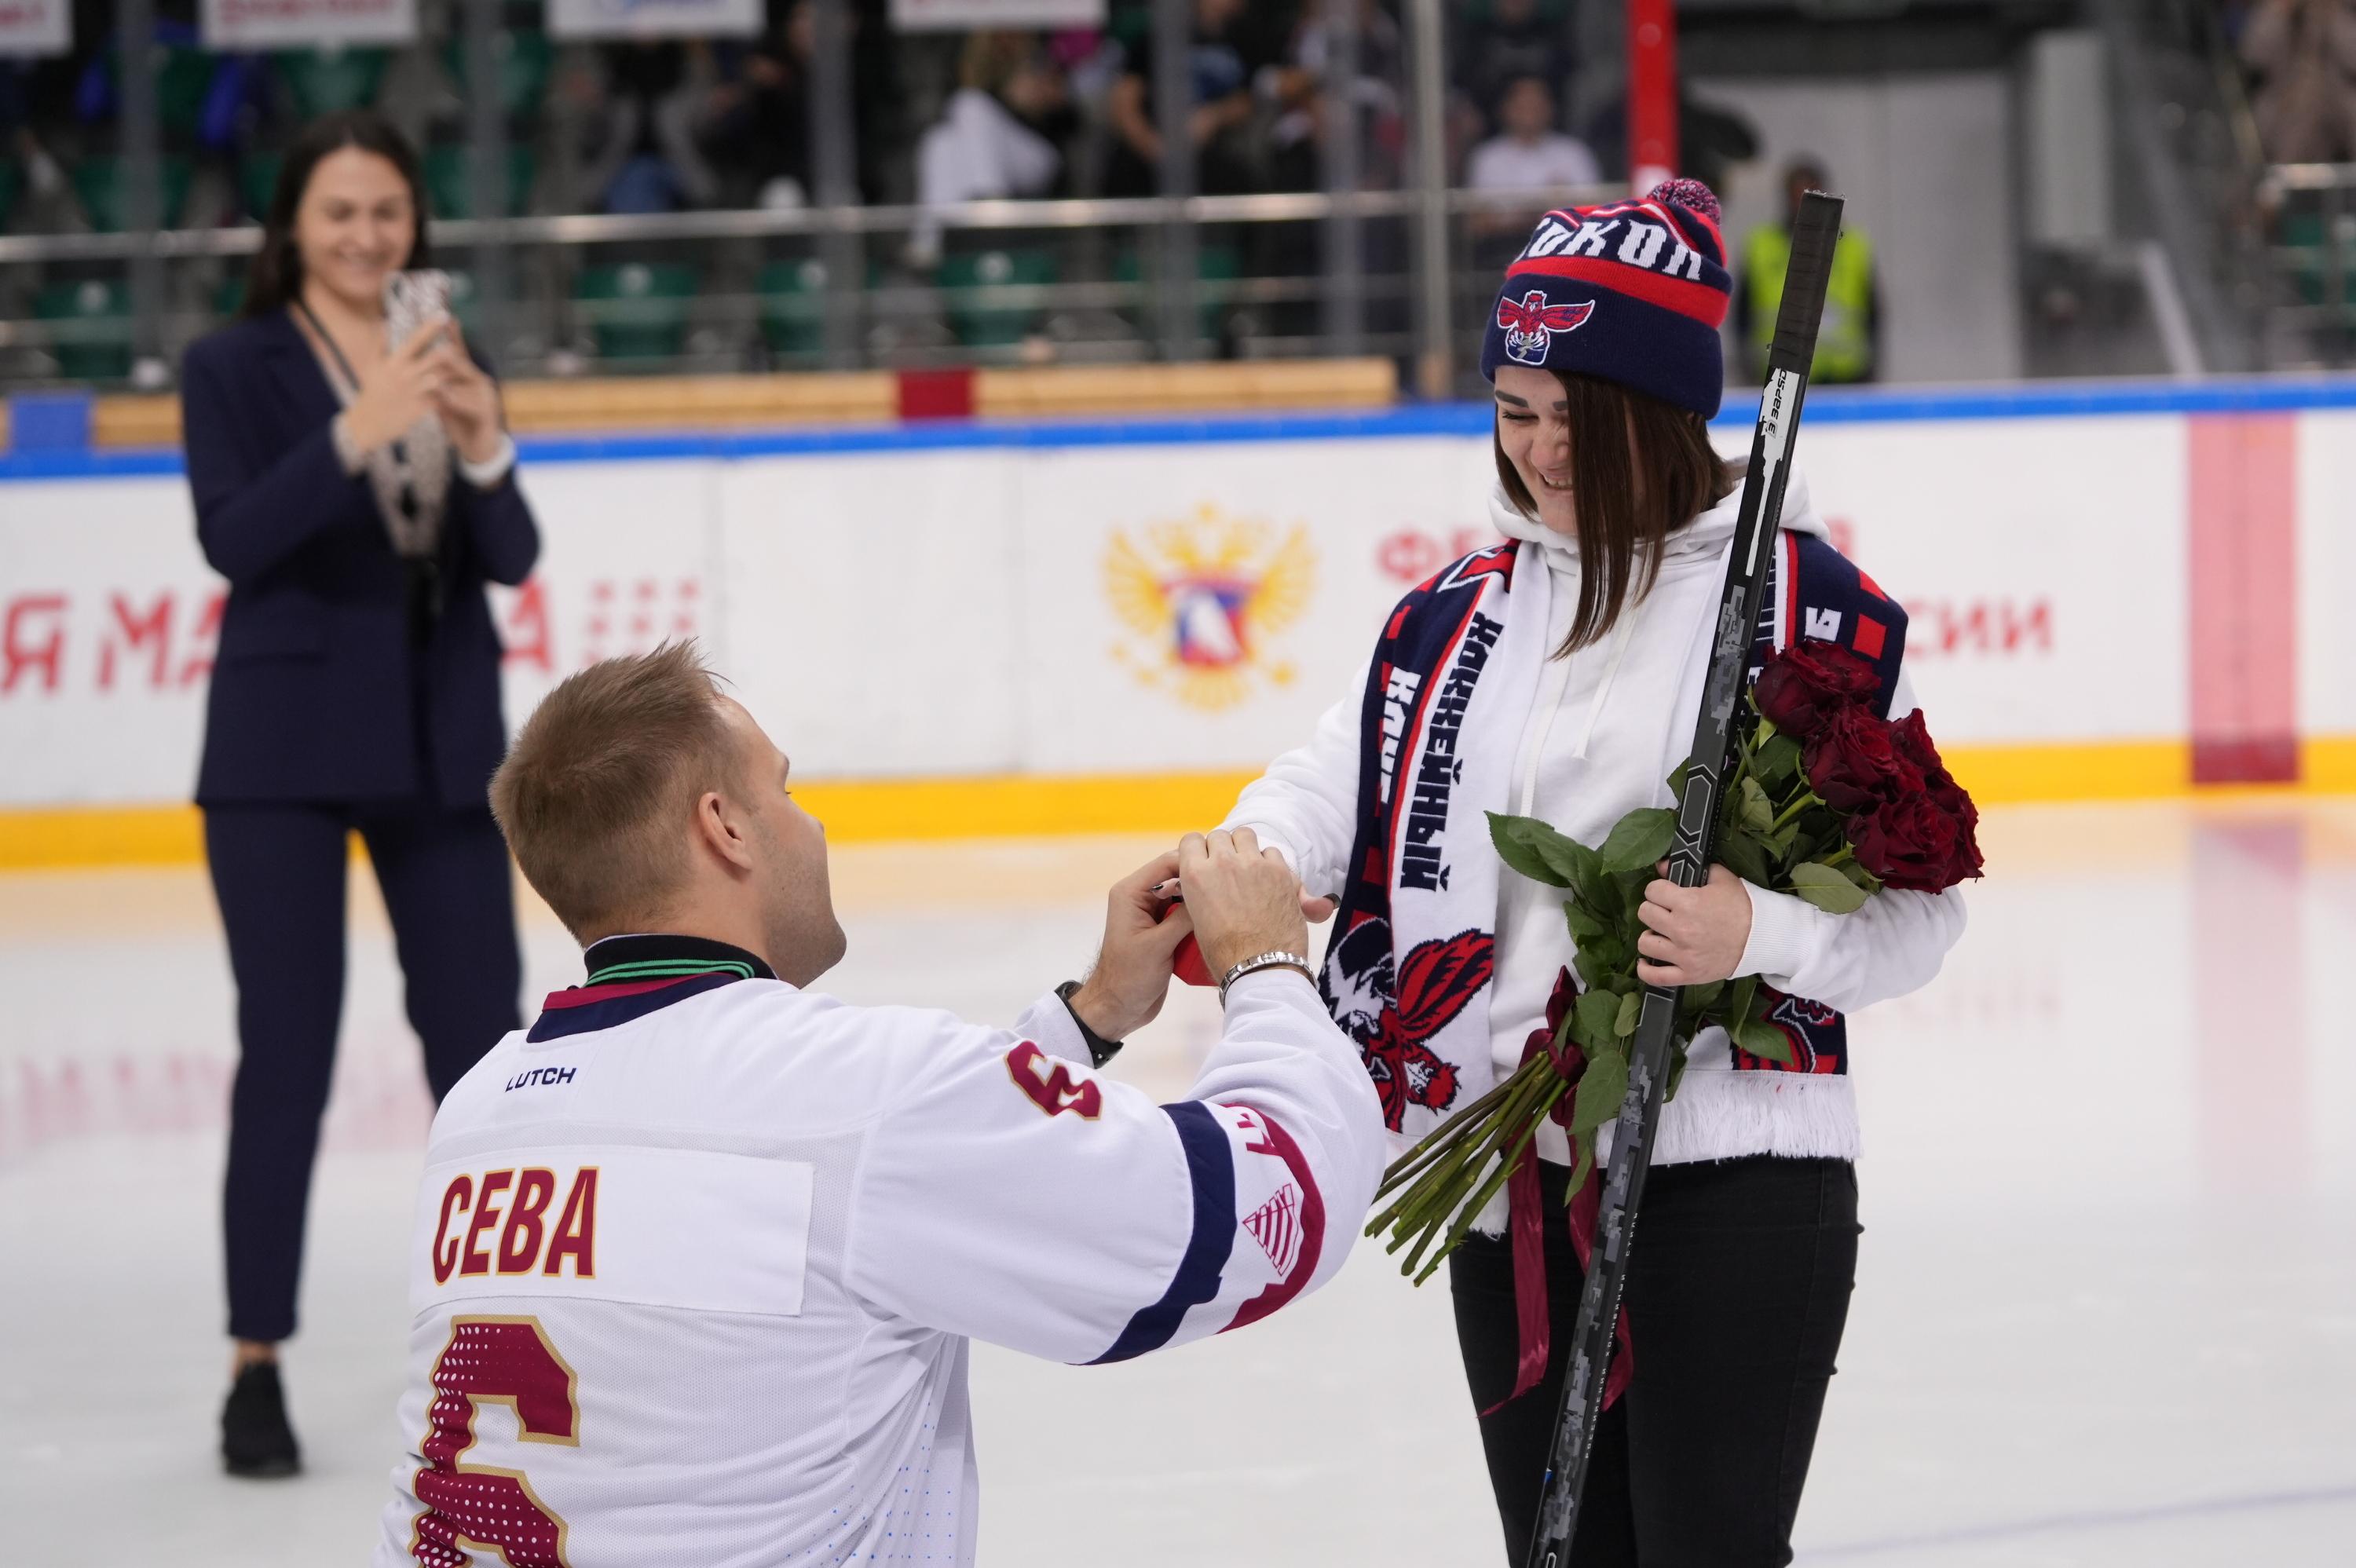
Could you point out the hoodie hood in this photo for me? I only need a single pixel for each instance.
(1707, 535)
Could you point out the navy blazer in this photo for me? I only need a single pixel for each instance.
(311, 694)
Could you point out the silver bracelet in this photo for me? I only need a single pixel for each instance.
(1278, 960)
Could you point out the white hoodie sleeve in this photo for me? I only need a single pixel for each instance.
(1305, 806)
(1892, 945)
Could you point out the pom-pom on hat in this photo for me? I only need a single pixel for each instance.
(1632, 291)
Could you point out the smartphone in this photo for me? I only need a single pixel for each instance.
(414, 302)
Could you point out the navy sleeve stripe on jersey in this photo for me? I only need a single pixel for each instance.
(1210, 1164)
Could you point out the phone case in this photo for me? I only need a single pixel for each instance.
(413, 301)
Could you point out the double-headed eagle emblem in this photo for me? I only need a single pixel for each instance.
(1203, 596)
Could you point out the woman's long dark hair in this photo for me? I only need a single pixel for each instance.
(1617, 435)
(275, 276)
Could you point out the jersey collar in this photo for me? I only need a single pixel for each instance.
(630, 977)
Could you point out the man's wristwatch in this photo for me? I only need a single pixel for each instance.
(1100, 1050)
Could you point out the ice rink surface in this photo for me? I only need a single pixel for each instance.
(2106, 1312)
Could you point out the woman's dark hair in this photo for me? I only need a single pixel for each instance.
(275, 276)
(1641, 469)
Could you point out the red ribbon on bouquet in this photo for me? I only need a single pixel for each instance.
(1525, 1210)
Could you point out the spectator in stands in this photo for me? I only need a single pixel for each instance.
(1229, 48)
(1512, 41)
(2304, 52)
(1003, 134)
(756, 123)
(1377, 93)
(1848, 343)
(642, 143)
(357, 495)
(1528, 155)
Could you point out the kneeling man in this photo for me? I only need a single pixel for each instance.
(698, 1253)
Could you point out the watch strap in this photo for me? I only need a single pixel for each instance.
(1100, 1050)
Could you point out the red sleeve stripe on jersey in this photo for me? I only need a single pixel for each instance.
(1311, 1220)
(1210, 1165)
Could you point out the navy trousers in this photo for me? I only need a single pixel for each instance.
(278, 871)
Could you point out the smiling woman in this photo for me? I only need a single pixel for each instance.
(356, 491)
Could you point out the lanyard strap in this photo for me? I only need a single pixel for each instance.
(351, 378)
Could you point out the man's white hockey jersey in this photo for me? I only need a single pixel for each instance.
(697, 1257)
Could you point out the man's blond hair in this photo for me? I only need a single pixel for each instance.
(597, 794)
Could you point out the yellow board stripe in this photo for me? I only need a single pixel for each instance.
(867, 811)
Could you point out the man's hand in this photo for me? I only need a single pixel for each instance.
(1693, 935)
(1244, 899)
(1142, 931)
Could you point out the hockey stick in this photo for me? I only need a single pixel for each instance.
(1815, 231)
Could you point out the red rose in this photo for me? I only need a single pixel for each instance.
(1913, 743)
(1909, 843)
(1853, 764)
(1800, 687)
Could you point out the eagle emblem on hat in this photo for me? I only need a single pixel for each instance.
(1530, 324)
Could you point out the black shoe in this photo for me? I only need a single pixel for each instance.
(255, 1438)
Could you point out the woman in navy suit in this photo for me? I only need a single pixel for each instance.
(358, 496)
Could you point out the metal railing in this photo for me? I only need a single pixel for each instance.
(1105, 298)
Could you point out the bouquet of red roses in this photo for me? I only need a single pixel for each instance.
(1828, 801)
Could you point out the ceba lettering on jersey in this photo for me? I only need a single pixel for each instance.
(500, 1222)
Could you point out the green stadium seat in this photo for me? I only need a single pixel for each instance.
(89, 328)
(637, 310)
(228, 296)
(1215, 266)
(257, 181)
(966, 278)
(448, 188)
(330, 80)
(183, 78)
(525, 58)
(101, 183)
(2306, 233)
(793, 308)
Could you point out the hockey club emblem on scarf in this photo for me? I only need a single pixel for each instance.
(1391, 1009)
(1530, 324)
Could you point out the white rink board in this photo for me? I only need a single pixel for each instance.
(995, 609)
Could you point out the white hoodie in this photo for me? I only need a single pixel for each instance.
(1606, 728)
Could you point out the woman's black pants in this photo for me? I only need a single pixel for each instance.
(278, 871)
(1737, 1292)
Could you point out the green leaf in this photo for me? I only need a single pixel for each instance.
(1861, 877)
(1778, 761)
(1585, 925)
(1826, 889)
(1757, 811)
(1738, 1003)
(1703, 995)
(1746, 857)
(1632, 1006)
(1597, 1014)
(1585, 1164)
(1677, 779)
(1600, 1089)
(1640, 841)
(1513, 837)
(1762, 1039)
(1765, 732)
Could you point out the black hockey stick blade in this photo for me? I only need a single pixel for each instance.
(1815, 231)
